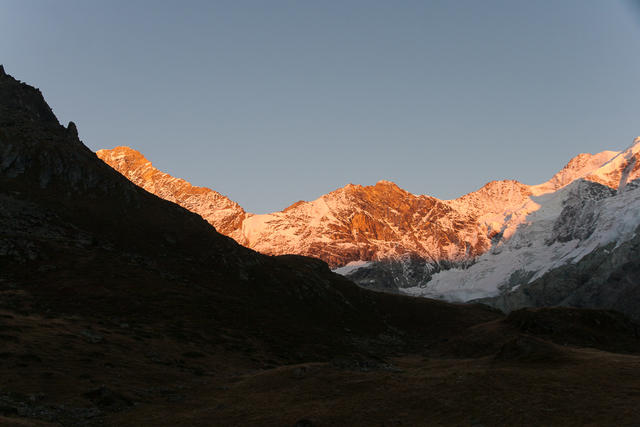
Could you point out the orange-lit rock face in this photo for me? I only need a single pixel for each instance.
(226, 216)
(380, 221)
(611, 168)
(620, 170)
(364, 223)
(351, 223)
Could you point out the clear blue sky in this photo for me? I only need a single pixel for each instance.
(270, 102)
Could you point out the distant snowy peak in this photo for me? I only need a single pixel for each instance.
(620, 169)
(498, 207)
(494, 198)
(611, 168)
(367, 223)
(225, 215)
(579, 167)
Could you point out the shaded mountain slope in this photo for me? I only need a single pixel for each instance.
(607, 277)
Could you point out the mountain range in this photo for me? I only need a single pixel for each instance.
(483, 245)
(120, 308)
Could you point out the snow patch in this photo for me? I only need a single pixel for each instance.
(351, 267)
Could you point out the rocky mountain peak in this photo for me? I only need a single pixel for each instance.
(383, 183)
(72, 129)
(381, 191)
(500, 189)
(620, 169)
(389, 187)
(493, 197)
(123, 158)
(20, 99)
(47, 154)
(578, 167)
(633, 149)
(294, 205)
(378, 186)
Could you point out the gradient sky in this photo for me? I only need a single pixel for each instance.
(270, 102)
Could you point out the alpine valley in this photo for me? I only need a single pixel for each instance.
(121, 308)
(569, 241)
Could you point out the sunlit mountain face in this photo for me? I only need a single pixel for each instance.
(485, 243)
(370, 223)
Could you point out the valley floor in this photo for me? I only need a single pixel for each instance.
(66, 372)
(595, 388)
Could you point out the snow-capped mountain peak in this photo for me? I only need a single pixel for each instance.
(579, 167)
(380, 222)
(620, 169)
